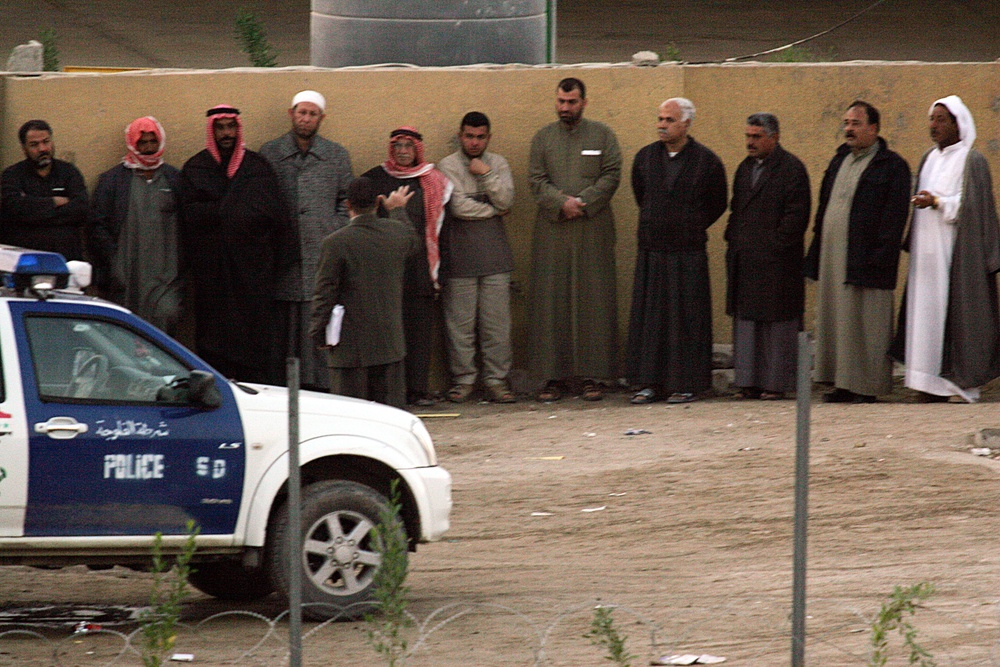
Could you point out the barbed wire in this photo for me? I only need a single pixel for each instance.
(962, 633)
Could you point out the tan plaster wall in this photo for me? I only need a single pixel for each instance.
(89, 112)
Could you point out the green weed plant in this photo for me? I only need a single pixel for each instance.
(894, 615)
(386, 632)
(170, 588)
(50, 51)
(604, 633)
(252, 37)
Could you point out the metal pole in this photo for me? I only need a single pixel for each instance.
(803, 398)
(294, 518)
(550, 41)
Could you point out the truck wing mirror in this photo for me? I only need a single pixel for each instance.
(202, 390)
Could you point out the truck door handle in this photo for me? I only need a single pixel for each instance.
(61, 428)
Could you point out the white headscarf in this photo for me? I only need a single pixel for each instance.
(966, 126)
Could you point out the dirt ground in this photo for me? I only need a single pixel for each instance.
(693, 540)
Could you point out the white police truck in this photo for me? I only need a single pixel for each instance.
(111, 432)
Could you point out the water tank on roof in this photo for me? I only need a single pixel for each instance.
(429, 32)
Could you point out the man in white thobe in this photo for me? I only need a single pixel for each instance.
(950, 312)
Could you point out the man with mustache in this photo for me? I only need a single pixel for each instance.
(405, 166)
(44, 199)
(237, 243)
(133, 232)
(680, 188)
(949, 324)
(314, 174)
(854, 258)
(765, 291)
(574, 170)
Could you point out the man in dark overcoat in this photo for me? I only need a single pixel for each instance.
(238, 243)
(680, 187)
(361, 267)
(765, 292)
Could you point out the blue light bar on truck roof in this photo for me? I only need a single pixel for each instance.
(21, 268)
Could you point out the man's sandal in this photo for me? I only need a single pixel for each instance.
(459, 393)
(644, 396)
(550, 393)
(592, 391)
(501, 393)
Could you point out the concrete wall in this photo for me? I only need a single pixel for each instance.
(89, 112)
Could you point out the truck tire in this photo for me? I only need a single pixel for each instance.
(229, 580)
(339, 556)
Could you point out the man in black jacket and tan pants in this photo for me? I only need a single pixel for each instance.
(864, 202)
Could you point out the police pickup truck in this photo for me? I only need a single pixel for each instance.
(111, 431)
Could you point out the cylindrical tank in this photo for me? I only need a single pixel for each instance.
(428, 32)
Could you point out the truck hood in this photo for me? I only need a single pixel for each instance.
(275, 399)
(328, 414)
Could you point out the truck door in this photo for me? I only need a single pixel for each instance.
(13, 437)
(114, 447)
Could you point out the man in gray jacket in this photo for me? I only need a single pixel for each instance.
(314, 174)
(476, 263)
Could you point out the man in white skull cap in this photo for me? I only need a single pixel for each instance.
(314, 173)
(949, 327)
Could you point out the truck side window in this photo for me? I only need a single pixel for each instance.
(79, 358)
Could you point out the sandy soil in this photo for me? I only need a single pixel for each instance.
(695, 540)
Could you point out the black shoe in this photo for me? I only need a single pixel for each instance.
(839, 395)
(924, 397)
(864, 398)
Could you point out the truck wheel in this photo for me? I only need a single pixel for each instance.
(338, 556)
(229, 580)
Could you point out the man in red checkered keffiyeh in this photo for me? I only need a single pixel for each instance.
(224, 137)
(238, 243)
(406, 166)
(436, 187)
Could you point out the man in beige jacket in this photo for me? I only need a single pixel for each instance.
(476, 263)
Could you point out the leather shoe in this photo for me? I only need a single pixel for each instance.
(924, 397)
(839, 395)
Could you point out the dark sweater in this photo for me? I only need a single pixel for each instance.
(679, 197)
(30, 217)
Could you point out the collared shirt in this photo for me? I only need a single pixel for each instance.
(315, 186)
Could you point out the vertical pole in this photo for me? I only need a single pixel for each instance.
(550, 38)
(294, 518)
(803, 397)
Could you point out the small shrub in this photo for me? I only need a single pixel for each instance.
(252, 36)
(604, 633)
(794, 54)
(671, 53)
(892, 616)
(385, 633)
(50, 52)
(159, 622)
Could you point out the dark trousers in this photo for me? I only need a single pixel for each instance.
(418, 330)
(384, 383)
(292, 340)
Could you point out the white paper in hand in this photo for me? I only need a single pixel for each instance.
(333, 326)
